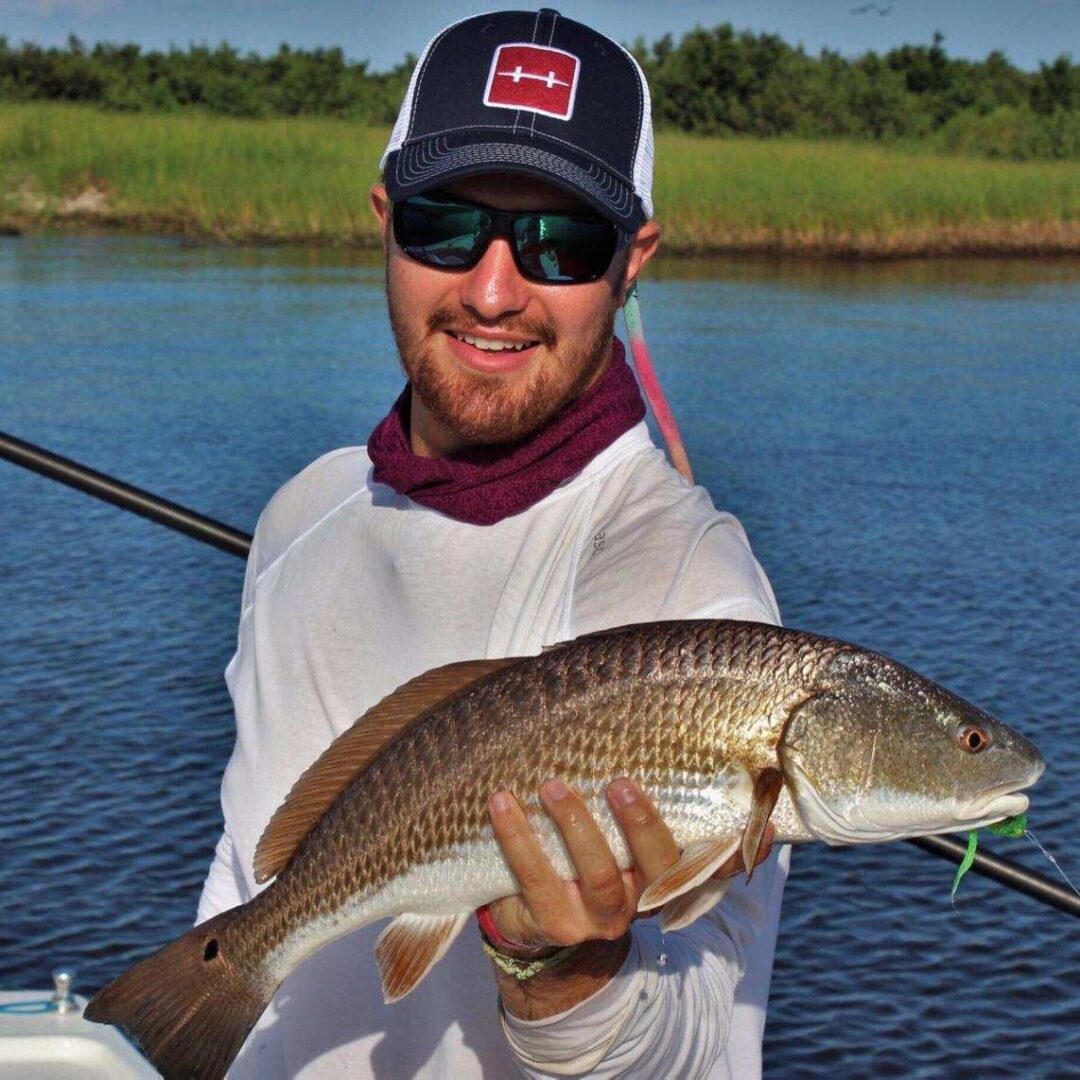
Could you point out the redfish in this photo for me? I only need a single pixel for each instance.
(728, 726)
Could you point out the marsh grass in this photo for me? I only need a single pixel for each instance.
(303, 179)
(307, 180)
(849, 198)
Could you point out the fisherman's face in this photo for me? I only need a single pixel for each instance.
(463, 395)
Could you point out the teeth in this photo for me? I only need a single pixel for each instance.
(494, 345)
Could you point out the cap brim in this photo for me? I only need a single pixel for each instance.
(423, 164)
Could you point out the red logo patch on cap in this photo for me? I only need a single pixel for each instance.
(533, 77)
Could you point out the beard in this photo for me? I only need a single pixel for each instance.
(485, 410)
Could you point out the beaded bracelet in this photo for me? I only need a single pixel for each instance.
(523, 969)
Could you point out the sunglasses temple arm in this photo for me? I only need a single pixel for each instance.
(646, 375)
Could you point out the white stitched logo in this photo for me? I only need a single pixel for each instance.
(533, 77)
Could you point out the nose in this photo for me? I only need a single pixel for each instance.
(493, 288)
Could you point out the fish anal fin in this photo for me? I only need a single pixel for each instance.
(767, 787)
(352, 750)
(410, 946)
(685, 909)
(698, 862)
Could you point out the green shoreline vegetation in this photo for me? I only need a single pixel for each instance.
(760, 147)
(305, 180)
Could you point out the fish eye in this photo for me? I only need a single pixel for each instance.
(972, 738)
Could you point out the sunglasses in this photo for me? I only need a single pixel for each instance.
(549, 247)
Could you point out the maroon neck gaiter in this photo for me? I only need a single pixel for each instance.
(484, 484)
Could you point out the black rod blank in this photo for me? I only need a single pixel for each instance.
(235, 542)
(1017, 877)
(126, 496)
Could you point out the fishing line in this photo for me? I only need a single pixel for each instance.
(1053, 862)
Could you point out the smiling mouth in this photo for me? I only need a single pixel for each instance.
(494, 344)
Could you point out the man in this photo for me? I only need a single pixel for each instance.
(511, 498)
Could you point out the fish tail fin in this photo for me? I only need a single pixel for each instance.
(190, 1005)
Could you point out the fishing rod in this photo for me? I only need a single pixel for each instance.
(126, 496)
(209, 531)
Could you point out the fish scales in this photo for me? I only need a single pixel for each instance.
(682, 702)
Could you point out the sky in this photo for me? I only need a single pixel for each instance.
(382, 32)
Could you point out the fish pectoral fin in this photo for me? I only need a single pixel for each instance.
(685, 909)
(698, 863)
(767, 787)
(410, 947)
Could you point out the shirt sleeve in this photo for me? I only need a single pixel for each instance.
(680, 1005)
(721, 579)
(664, 1014)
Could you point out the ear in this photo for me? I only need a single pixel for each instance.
(641, 250)
(380, 206)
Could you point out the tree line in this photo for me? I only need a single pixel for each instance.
(716, 82)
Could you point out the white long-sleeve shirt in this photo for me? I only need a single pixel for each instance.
(352, 589)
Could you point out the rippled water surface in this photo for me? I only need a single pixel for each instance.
(901, 443)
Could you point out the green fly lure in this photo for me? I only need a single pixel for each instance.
(1013, 826)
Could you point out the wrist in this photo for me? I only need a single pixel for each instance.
(589, 967)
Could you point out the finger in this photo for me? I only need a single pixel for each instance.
(647, 835)
(600, 881)
(541, 888)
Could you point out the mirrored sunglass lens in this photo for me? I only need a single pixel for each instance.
(441, 234)
(557, 248)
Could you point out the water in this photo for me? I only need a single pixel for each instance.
(900, 442)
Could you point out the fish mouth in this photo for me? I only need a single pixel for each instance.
(997, 808)
(998, 803)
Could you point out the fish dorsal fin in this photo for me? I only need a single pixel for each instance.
(767, 787)
(592, 635)
(612, 631)
(347, 755)
(410, 947)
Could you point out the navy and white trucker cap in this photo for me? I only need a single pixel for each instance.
(531, 93)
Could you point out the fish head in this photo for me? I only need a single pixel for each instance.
(881, 753)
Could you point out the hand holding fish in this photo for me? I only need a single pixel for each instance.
(595, 909)
(603, 901)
